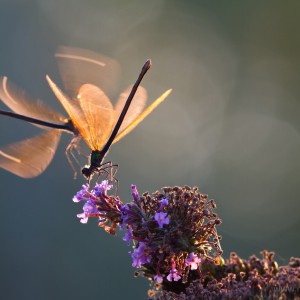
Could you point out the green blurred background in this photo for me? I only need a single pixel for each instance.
(231, 127)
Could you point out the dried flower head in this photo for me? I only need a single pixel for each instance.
(177, 227)
(98, 204)
(176, 246)
(171, 231)
(238, 278)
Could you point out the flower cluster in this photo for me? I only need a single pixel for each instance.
(238, 278)
(98, 204)
(176, 246)
(171, 232)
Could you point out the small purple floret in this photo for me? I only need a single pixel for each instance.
(135, 193)
(158, 278)
(88, 208)
(79, 196)
(163, 202)
(141, 255)
(193, 261)
(174, 274)
(128, 235)
(161, 218)
(101, 188)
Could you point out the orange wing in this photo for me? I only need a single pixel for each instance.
(30, 157)
(99, 115)
(21, 103)
(92, 113)
(72, 108)
(142, 116)
(80, 66)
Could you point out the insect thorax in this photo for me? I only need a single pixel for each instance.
(96, 158)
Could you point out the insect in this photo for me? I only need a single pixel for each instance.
(92, 116)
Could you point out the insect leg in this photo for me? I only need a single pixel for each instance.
(69, 152)
(111, 173)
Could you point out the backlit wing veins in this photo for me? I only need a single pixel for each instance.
(142, 116)
(72, 108)
(80, 66)
(99, 115)
(21, 103)
(30, 157)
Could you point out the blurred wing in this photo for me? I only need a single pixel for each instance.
(136, 107)
(80, 66)
(99, 115)
(142, 116)
(19, 102)
(72, 108)
(30, 157)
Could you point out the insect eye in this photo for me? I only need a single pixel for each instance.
(86, 172)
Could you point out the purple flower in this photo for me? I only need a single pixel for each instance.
(163, 202)
(158, 278)
(128, 235)
(193, 261)
(141, 255)
(83, 218)
(135, 193)
(174, 274)
(161, 218)
(88, 208)
(79, 196)
(101, 188)
(131, 215)
(163, 253)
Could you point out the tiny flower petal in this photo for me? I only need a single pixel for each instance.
(173, 275)
(79, 196)
(135, 193)
(161, 218)
(89, 207)
(193, 261)
(158, 278)
(164, 202)
(141, 255)
(101, 188)
(80, 216)
(83, 218)
(128, 235)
